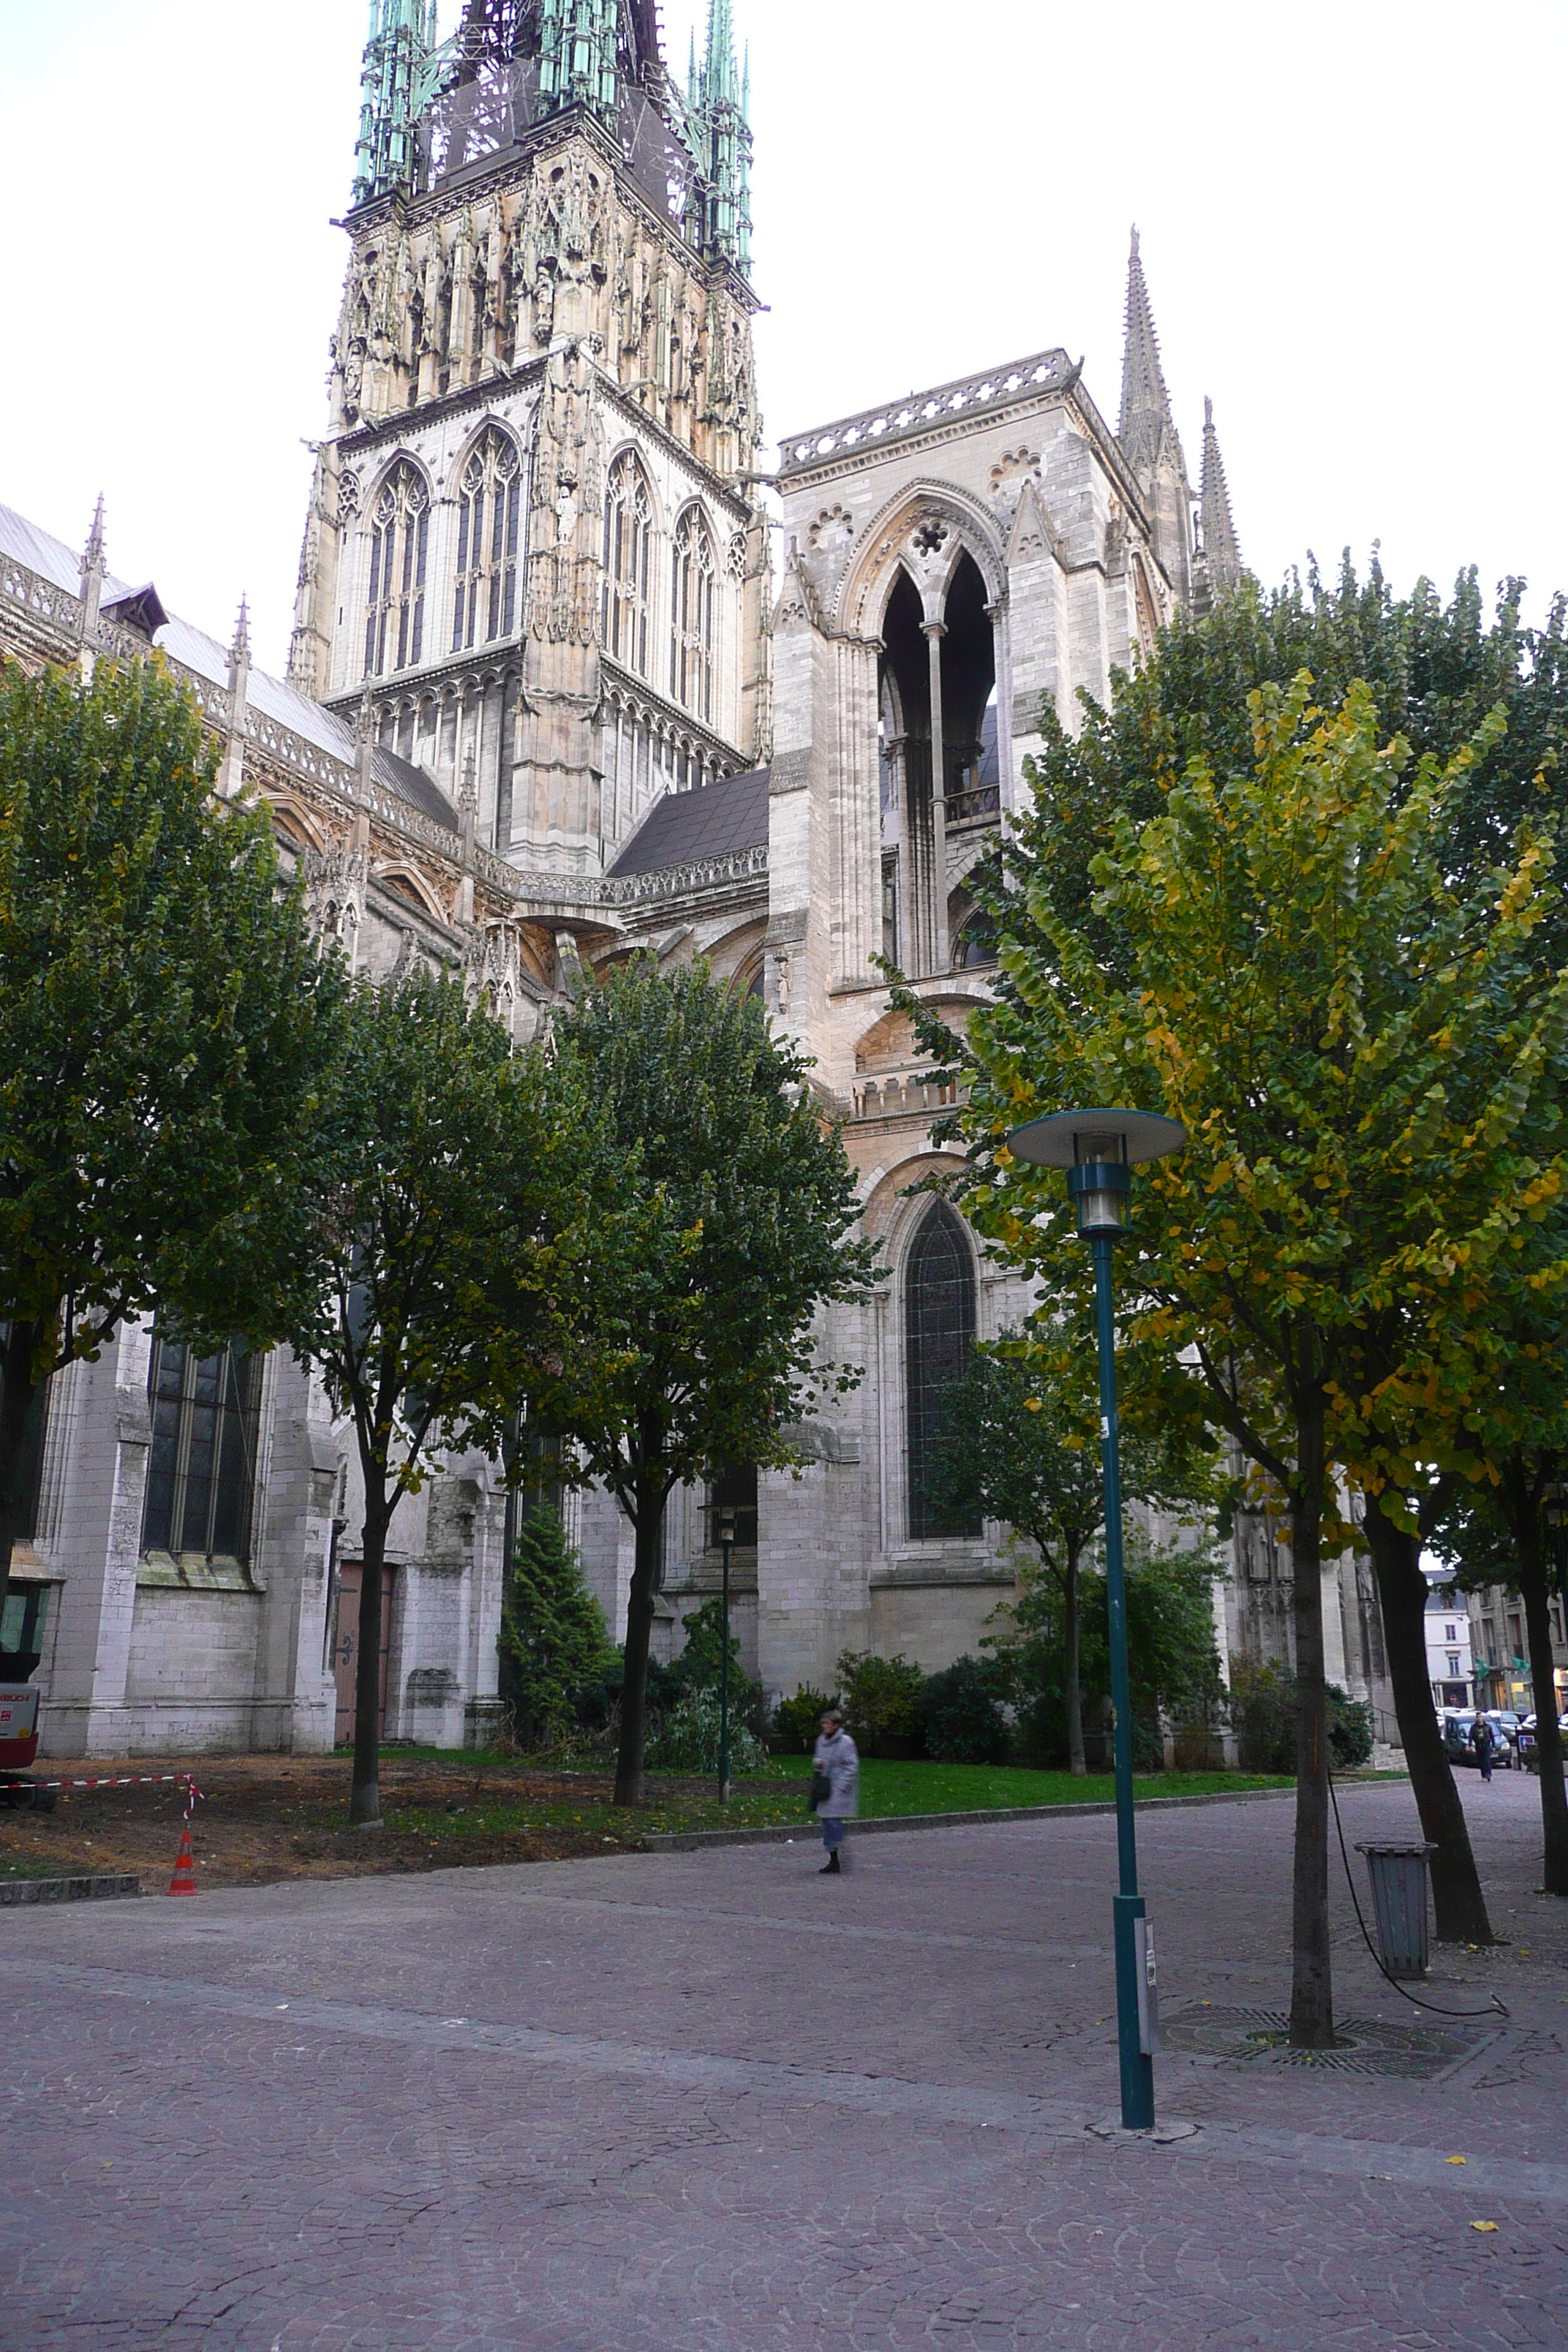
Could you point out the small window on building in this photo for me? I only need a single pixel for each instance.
(201, 1474)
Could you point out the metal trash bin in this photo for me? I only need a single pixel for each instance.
(1398, 1875)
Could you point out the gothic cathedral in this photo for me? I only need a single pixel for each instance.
(545, 708)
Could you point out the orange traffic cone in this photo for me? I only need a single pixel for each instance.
(183, 1882)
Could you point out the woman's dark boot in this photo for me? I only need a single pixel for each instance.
(830, 1867)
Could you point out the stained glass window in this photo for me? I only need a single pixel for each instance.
(938, 1332)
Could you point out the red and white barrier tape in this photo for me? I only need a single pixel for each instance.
(120, 1781)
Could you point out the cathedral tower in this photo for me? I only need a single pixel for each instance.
(531, 550)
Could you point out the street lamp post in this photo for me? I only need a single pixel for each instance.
(1100, 1148)
(726, 1545)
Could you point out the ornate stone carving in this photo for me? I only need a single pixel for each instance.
(568, 502)
(832, 531)
(335, 881)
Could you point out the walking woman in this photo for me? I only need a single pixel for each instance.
(836, 1760)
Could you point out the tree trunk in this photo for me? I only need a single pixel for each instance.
(364, 1790)
(1076, 1764)
(1312, 1975)
(16, 1393)
(1457, 1901)
(650, 1500)
(1548, 1737)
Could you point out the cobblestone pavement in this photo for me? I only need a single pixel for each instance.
(713, 2103)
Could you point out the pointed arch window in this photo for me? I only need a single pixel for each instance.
(628, 536)
(490, 498)
(399, 559)
(691, 615)
(938, 1332)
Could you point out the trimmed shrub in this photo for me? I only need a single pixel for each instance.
(882, 1702)
(687, 1738)
(1350, 1729)
(1263, 1712)
(797, 1721)
(964, 1723)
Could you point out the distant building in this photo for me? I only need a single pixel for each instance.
(1448, 1658)
(1500, 1650)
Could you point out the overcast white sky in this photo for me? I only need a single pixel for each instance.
(1352, 222)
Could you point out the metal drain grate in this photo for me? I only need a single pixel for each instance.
(1413, 2052)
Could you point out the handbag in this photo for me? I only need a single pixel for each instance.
(821, 1788)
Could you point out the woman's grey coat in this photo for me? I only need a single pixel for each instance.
(840, 1759)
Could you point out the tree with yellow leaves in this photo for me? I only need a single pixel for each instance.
(1363, 1051)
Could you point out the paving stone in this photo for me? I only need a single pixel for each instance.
(712, 2103)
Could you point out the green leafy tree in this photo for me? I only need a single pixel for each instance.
(1011, 1449)
(165, 1024)
(1173, 1668)
(438, 1206)
(553, 1634)
(733, 1224)
(1435, 671)
(1363, 1054)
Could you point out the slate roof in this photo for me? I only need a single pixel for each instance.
(710, 821)
(54, 561)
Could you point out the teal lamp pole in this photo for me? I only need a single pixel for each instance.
(1099, 1149)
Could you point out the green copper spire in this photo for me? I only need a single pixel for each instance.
(721, 214)
(401, 35)
(578, 41)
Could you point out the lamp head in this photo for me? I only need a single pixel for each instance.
(1099, 1149)
(726, 1525)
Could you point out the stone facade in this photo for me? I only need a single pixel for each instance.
(544, 710)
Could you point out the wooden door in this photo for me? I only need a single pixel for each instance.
(345, 1644)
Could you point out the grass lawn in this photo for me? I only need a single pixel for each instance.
(682, 1802)
(887, 1787)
